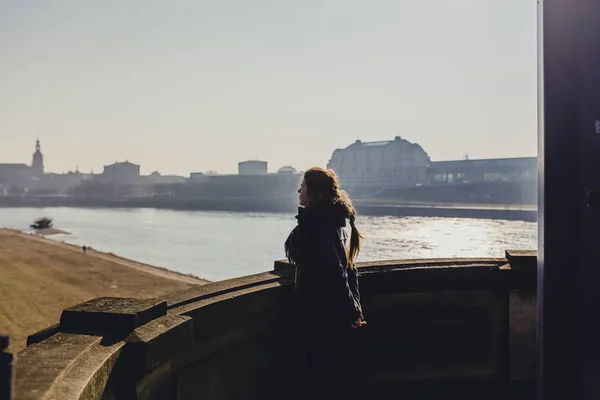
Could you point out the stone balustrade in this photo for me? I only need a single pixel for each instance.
(446, 328)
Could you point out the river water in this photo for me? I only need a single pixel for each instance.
(221, 245)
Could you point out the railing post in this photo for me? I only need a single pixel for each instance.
(6, 370)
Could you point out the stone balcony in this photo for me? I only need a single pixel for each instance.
(447, 329)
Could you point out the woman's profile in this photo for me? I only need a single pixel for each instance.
(326, 283)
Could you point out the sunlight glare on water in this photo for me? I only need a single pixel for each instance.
(221, 245)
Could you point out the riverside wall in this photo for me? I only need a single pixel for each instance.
(443, 328)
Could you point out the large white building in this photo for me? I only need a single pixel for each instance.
(367, 167)
(121, 173)
(252, 167)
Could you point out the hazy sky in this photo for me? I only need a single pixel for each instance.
(180, 86)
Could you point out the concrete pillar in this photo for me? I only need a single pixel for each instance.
(569, 218)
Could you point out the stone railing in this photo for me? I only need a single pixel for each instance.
(457, 328)
(6, 369)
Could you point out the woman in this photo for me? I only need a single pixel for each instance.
(326, 283)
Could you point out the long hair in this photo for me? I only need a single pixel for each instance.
(323, 188)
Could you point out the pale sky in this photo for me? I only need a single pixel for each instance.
(189, 86)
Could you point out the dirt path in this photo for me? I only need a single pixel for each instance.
(40, 277)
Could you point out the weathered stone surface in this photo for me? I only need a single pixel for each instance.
(431, 323)
(418, 334)
(522, 259)
(213, 289)
(214, 342)
(43, 334)
(156, 342)
(157, 385)
(243, 304)
(89, 375)
(284, 267)
(391, 265)
(415, 278)
(42, 366)
(111, 315)
(522, 327)
(255, 369)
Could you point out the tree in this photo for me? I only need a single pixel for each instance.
(42, 223)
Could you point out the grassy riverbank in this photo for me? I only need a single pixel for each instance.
(40, 277)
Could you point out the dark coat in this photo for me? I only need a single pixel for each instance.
(327, 289)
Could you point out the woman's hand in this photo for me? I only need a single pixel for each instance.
(359, 322)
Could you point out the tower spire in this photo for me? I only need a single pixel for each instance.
(38, 159)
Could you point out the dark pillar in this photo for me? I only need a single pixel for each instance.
(569, 229)
(6, 370)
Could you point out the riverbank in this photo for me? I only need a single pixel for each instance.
(40, 277)
(49, 232)
(509, 212)
(374, 207)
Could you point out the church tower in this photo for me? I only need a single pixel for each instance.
(38, 161)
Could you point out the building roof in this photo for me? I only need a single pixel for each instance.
(378, 143)
(252, 161)
(489, 161)
(375, 144)
(383, 143)
(13, 166)
(287, 168)
(121, 163)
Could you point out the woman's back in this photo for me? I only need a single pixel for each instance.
(327, 291)
(326, 286)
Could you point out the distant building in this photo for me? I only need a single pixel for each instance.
(371, 166)
(272, 188)
(61, 183)
(156, 178)
(475, 171)
(252, 167)
(16, 175)
(199, 177)
(287, 170)
(121, 173)
(22, 175)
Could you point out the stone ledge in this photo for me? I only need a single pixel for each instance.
(214, 289)
(522, 259)
(151, 345)
(42, 366)
(383, 265)
(89, 374)
(437, 278)
(110, 316)
(226, 315)
(215, 311)
(284, 267)
(426, 263)
(42, 335)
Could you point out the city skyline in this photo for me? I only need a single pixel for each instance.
(200, 86)
(271, 168)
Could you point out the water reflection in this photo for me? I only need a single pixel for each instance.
(220, 245)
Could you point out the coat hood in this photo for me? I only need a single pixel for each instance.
(333, 213)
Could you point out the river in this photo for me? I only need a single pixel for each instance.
(221, 245)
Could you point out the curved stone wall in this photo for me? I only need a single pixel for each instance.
(459, 328)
